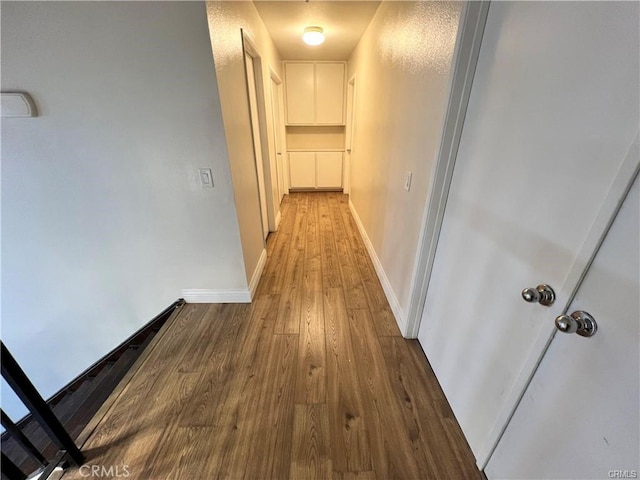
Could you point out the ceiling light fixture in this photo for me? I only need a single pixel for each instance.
(313, 36)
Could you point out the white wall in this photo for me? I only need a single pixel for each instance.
(225, 21)
(103, 219)
(402, 67)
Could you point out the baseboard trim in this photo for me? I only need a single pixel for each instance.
(198, 295)
(230, 295)
(257, 274)
(398, 313)
(278, 218)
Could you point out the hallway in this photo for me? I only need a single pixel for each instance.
(311, 380)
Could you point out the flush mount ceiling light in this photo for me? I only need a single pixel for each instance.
(313, 36)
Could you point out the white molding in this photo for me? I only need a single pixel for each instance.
(232, 295)
(398, 313)
(278, 218)
(257, 273)
(472, 23)
(198, 295)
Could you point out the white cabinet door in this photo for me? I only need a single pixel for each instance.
(329, 169)
(300, 93)
(539, 130)
(302, 169)
(330, 93)
(579, 416)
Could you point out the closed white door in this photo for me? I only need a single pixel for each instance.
(257, 146)
(579, 416)
(552, 114)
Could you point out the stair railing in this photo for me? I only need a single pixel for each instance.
(42, 413)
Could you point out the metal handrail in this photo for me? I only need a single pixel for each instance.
(41, 412)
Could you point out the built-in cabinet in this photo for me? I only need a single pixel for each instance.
(315, 93)
(315, 118)
(315, 170)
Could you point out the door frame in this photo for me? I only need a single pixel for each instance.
(348, 138)
(465, 59)
(249, 48)
(278, 130)
(468, 43)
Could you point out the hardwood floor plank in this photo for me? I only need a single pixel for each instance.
(295, 385)
(313, 261)
(354, 476)
(311, 383)
(235, 416)
(193, 353)
(349, 273)
(330, 269)
(299, 225)
(182, 456)
(383, 318)
(349, 442)
(269, 453)
(221, 362)
(289, 308)
(311, 455)
(437, 436)
(394, 455)
(274, 272)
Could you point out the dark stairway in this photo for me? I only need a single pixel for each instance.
(77, 403)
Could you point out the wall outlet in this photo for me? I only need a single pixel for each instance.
(206, 178)
(407, 180)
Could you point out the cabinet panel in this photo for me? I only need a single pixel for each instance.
(302, 169)
(329, 169)
(300, 93)
(330, 93)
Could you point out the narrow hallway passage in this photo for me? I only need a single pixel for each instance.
(311, 380)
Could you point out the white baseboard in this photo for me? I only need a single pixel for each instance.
(199, 295)
(232, 295)
(257, 273)
(398, 313)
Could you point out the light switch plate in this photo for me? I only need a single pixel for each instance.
(407, 180)
(206, 178)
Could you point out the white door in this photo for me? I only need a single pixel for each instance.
(552, 114)
(276, 85)
(257, 147)
(579, 416)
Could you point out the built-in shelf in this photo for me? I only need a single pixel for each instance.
(315, 149)
(315, 138)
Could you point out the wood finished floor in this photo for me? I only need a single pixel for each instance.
(310, 381)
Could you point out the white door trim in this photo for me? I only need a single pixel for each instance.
(279, 130)
(469, 39)
(351, 106)
(593, 241)
(249, 48)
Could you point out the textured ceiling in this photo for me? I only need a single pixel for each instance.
(343, 22)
